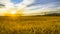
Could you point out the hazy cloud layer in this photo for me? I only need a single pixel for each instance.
(32, 7)
(43, 9)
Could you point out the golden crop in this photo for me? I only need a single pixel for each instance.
(30, 25)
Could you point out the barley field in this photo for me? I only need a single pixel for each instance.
(30, 25)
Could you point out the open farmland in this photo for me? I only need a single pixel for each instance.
(30, 25)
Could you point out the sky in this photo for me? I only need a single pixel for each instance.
(16, 1)
(32, 6)
(36, 1)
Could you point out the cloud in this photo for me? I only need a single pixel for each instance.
(42, 9)
(24, 4)
(11, 6)
(8, 5)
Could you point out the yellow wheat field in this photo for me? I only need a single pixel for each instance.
(30, 25)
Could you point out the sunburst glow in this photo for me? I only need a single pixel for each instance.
(13, 12)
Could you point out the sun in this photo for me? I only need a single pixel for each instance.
(13, 12)
(10, 13)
